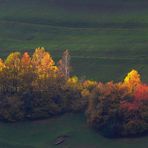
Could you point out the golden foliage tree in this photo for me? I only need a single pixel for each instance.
(132, 80)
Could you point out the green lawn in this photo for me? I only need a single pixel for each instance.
(106, 38)
(42, 134)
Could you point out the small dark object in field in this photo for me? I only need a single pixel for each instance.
(60, 139)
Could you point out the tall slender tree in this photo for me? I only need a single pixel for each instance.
(64, 65)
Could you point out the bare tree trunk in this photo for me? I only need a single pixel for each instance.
(64, 64)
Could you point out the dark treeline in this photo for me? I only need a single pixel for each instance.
(34, 87)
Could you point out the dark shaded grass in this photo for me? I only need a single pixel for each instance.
(108, 70)
(42, 134)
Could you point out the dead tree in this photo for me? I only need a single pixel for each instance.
(64, 65)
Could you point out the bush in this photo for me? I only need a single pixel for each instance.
(114, 110)
(33, 87)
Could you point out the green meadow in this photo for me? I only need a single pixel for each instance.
(42, 134)
(106, 39)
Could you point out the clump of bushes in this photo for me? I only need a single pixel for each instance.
(34, 87)
(119, 109)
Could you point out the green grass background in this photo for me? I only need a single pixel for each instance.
(42, 134)
(106, 38)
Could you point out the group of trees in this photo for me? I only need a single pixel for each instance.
(119, 109)
(33, 87)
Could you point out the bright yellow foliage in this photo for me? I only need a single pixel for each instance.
(132, 80)
(38, 55)
(13, 59)
(47, 60)
(89, 83)
(2, 65)
(73, 81)
(26, 59)
(43, 64)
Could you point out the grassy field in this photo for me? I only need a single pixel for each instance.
(42, 134)
(110, 36)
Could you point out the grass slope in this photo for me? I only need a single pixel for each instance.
(42, 134)
(91, 29)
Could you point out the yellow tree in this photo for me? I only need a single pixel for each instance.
(2, 65)
(12, 63)
(37, 56)
(2, 75)
(27, 73)
(47, 67)
(25, 60)
(44, 67)
(132, 80)
(13, 60)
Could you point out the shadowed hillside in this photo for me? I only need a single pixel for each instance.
(107, 34)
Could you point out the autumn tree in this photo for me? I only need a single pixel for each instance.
(132, 80)
(12, 74)
(45, 68)
(141, 93)
(25, 60)
(37, 88)
(2, 67)
(27, 72)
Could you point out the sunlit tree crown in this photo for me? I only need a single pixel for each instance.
(133, 79)
(13, 59)
(2, 65)
(25, 60)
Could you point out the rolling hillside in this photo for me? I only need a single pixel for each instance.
(107, 34)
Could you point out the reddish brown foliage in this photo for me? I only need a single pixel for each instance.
(141, 93)
(130, 106)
